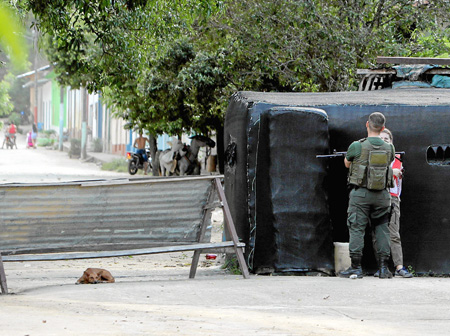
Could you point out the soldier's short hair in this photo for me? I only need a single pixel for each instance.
(376, 121)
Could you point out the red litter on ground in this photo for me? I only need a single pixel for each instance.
(211, 256)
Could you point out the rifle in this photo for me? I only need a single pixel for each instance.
(335, 154)
(338, 154)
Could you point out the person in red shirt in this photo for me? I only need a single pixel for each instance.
(394, 223)
(12, 129)
(12, 133)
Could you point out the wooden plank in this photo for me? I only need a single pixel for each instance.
(3, 285)
(123, 253)
(229, 249)
(213, 205)
(375, 72)
(232, 229)
(361, 83)
(368, 83)
(120, 181)
(413, 60)
(206, 219)
(94, 248)
(437, 71)
(147, 180)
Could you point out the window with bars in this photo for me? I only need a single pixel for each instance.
(439, 155)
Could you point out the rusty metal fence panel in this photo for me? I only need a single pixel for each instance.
(117, 215)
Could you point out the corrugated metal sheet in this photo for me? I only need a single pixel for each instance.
(123, 215)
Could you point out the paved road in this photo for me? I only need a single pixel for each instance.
(153, 295)
(45, 165)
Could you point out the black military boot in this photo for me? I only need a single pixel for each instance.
(354, 269)
(384, 270)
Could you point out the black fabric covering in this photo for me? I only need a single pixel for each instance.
(418, 118)
(235, 135)
(425, 199)
(286, 229)
(292, 228)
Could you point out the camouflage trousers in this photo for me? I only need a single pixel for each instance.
(369, 207)
(394, 233)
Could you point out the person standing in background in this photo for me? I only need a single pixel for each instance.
(394, 223)
(140, 143)
(34, 132)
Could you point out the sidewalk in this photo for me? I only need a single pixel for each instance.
(97, 157)
(100, 158)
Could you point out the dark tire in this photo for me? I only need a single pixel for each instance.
(196, 170)
(132, 167)
(149, 168)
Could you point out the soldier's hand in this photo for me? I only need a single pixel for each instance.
(397, 172)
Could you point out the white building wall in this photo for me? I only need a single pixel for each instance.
(74, 113)
(93, 116)
(46, 105)
(119, 136)
(114, 137)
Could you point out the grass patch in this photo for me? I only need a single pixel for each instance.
(232, 265)
(46, 138)
(97, 145)
(75, 147)
(44, 142)
(121, 166)
(118, 165)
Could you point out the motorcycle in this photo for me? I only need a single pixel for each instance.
(10, 141)
(136, 162)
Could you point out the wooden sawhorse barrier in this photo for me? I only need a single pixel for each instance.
(18, 240)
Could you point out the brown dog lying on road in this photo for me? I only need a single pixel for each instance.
(95, 275)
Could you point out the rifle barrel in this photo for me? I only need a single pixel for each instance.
(337, 154)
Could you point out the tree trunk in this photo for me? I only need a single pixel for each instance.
(220, 148)
(84, 130)
(153, 150)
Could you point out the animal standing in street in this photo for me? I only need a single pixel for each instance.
(188, 163)
(167, 157)
(95, 275)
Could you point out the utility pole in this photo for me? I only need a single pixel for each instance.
(84, 102)
(35, 36)
(61, 119)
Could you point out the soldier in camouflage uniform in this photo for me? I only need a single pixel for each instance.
(370, 176)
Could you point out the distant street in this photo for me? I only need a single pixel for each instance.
(24, 165)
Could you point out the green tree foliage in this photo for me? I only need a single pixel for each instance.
(11, 37)
(183, 87)
(13, 44)
(170, 66)
(91, 43)
(432, 44)
(20, 98)
(6, 107)
(111, 47)
(307, 45)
